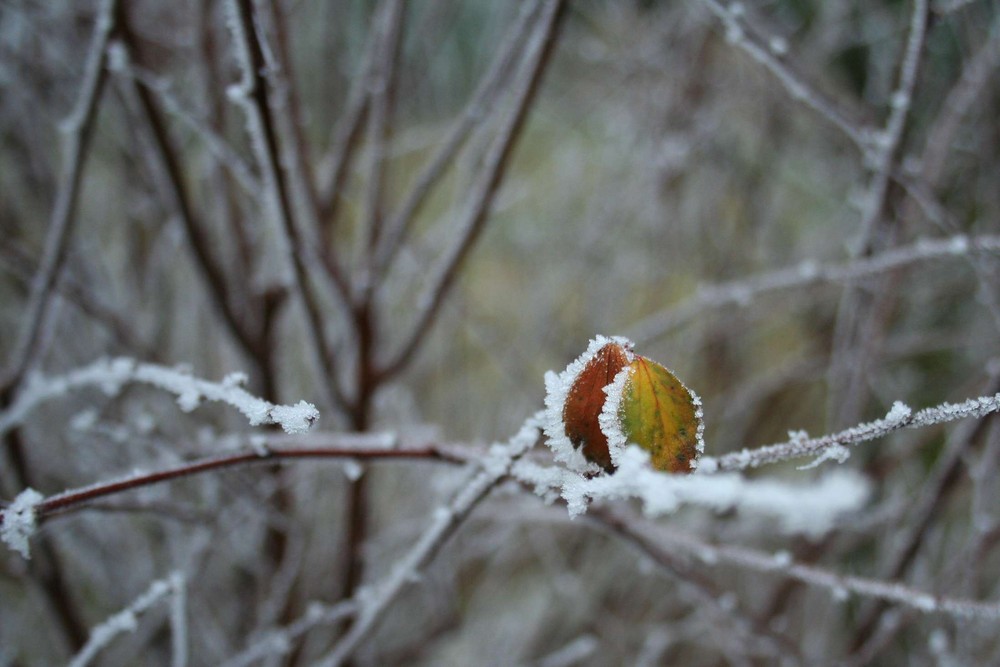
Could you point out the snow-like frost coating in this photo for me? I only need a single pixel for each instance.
(810, 507)
(557, 388)
(19, 521)
(610, 417)
(111, 375)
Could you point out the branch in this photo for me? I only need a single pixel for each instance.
(126, 621)
(251, 95)
(808, 272)
(887, 143)
(899, 417)
(474, 114)
(357, 447)
(172, 189)
(279, 642)
(382, 100)
(77, 131)
(472, 221)
(781, 564)
(970, 86)
(110, 375)
(770, 52)
(375, 599)
(215, 143)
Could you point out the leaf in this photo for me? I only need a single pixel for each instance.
(586, 400)
(658, 413)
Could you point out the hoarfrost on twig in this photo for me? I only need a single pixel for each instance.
(19, 521)
(111, 374)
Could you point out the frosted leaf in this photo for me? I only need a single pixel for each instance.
(699, 414)
(557, 389)
(19, 521)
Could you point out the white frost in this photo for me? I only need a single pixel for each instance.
(610, 417)
(19, 521)
(557, 388)
(900, 412)
(111, 375)
(810, 507)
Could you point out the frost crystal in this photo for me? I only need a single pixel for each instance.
(610, 419)
(19, 521)
(900, 412)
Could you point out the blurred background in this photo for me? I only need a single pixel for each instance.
(405, 213)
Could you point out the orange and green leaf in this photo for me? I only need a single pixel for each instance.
(658, 413)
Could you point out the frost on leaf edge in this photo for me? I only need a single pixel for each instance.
(557, 388)
(611, 422)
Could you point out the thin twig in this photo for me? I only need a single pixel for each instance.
(216, 144)
(382, 100)
(474, 114)
(840, 586)
(375, 599)
(742, 291)
(473, 219)
(763, 639)
(251, 95)
(770, 53)
(126, 620)
(111, 374)
(76, 131)
(173, 190)
(888, 143)
(802, 446)
(353, 447)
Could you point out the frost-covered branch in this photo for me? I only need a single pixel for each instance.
(251, 95)
(809, 507)
(76, 130)
(809, 272)
(120, 63)
(841, 586)
(280, 642)
(127, 619)
(111, 374)
(373, 600)
(474, 114)
(887, 142)
(472, 219)
(18, 521)
(770, 52)
(799, 445)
